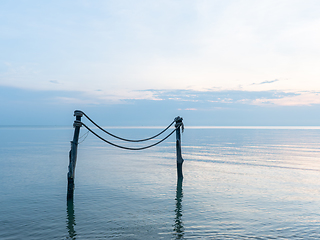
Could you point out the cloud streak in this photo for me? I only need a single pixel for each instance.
(301, 99)
(197, 107)
(54, 81)
(265, 82)
(236, 97)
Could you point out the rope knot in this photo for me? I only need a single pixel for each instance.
(77, 123)
(179, 123)
(78, 113)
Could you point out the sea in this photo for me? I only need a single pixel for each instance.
(239, 183)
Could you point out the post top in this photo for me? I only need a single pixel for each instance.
(78, 113)
(178, 119)
(179, 123)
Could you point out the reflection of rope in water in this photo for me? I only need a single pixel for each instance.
(71, 220)
(178, 224)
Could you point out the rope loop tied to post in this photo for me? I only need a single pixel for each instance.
(179, 123)
(77, 123)
(78, 113)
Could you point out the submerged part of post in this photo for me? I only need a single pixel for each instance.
(71, 219)
(73, 153)
(178, 125)
(178, 224)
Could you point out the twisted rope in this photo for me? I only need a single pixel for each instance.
(124, 139)
(127, 148)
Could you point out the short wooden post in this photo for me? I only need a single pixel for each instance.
(73, 153)
(180, 160)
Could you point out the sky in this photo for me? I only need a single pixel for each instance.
(142, 63)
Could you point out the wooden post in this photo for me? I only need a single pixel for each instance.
(178, 224)
(71, 219)
(73, 153)
(178, 146)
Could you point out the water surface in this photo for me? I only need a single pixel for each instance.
(238, 184)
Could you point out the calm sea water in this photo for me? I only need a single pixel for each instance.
(238, 184)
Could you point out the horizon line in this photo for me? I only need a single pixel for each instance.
(161, 127)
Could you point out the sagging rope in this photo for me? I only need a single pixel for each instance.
(129, 140)
(128, 148)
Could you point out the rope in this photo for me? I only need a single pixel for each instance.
(128, 148)
(85, 136)
(124, 139)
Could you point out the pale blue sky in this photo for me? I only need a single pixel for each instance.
(128, 62)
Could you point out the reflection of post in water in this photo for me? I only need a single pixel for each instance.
(71, 220)
(178, 224)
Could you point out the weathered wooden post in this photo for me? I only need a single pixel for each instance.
(180, 160)
(73, 153)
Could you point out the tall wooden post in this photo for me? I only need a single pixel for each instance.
(73, 153)
(180, 160)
